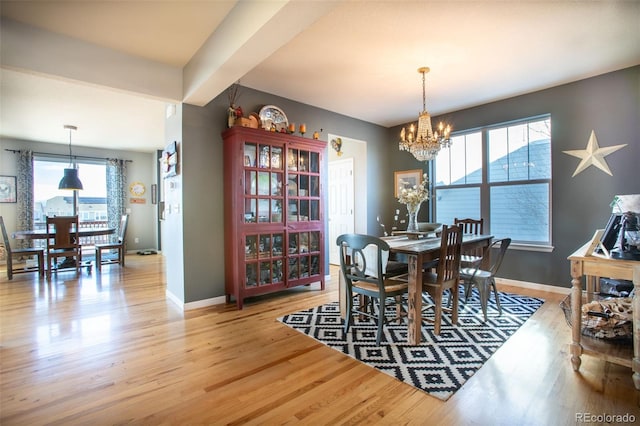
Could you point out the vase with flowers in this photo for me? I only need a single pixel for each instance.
(412, 197)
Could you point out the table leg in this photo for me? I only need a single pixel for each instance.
(414, 313)
(635, 365)
(576, 311)
(342, 301)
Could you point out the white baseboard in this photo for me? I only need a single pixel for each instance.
(220, 300)
(197, 304)
(533, 286)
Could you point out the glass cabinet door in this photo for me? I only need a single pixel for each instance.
(304, 254)
(263, 183)
(264, 259)
(303, 186)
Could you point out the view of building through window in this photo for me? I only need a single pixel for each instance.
(50, 201)
(502, 174)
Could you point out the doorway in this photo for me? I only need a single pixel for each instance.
(347, 211)
(341, 212)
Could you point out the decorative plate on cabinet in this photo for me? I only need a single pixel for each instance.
(271, 115)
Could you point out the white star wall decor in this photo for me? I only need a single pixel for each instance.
(593, 155)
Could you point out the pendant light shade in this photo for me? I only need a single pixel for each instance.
(70, 180)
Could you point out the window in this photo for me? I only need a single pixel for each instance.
(49, 200)
(501, 173)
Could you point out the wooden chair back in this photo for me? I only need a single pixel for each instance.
(119, 246)
(122, 231)
(470, 226)
(24, 252)
(5, 239)
(363, 260)
(475, 227)
(63, 233)
(448, 268)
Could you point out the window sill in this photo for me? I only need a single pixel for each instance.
(531, 247)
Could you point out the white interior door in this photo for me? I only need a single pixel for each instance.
(341, 214)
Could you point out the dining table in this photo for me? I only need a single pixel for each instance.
(418, 251)
(41, 234)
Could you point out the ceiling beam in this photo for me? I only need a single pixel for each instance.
(250, 33)
(34, 50)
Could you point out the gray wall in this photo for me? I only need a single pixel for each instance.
(608, 104)
(202, 171)
(142, 168)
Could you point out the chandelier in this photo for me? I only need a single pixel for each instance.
(424, 144)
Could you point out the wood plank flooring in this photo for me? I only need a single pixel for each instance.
(110, 348)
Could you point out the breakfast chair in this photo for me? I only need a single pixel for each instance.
(484, 281)
(446, 276)
(63, 241)
(11, 253)
(363, 262)
(119, 246)
(474, 227)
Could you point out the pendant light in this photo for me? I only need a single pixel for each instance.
(70, 180)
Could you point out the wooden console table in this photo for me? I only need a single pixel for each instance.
(592, 267)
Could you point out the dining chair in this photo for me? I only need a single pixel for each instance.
(63, 241)
(474, 227)
(445, 278)
(118, 246)
(363, 262)
(483, 280)
(20, 253)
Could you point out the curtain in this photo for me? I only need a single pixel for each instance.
(24, 195)
(116, 192)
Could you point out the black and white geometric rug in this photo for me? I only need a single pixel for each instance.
(441, 364)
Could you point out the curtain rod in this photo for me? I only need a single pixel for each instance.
(15, 151)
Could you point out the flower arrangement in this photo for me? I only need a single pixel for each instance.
(416, 194)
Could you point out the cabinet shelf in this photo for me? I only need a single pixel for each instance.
(274, 227)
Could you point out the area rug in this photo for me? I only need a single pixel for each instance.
(438, 366)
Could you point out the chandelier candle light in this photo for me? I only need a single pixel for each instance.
(413, 198)
(425, 144)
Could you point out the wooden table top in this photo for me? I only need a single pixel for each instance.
(403, 244)
(41, 234)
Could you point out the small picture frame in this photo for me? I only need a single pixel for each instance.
(154, 193)
(406, 179)
(8, 192)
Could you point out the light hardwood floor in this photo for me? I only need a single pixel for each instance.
(111, 349)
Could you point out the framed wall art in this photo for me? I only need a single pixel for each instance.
(8, 189)
(169, 160)
(406, 179)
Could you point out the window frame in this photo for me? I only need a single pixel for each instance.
(485, 186)
(64, 161)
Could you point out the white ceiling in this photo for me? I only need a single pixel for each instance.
(357, 58)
